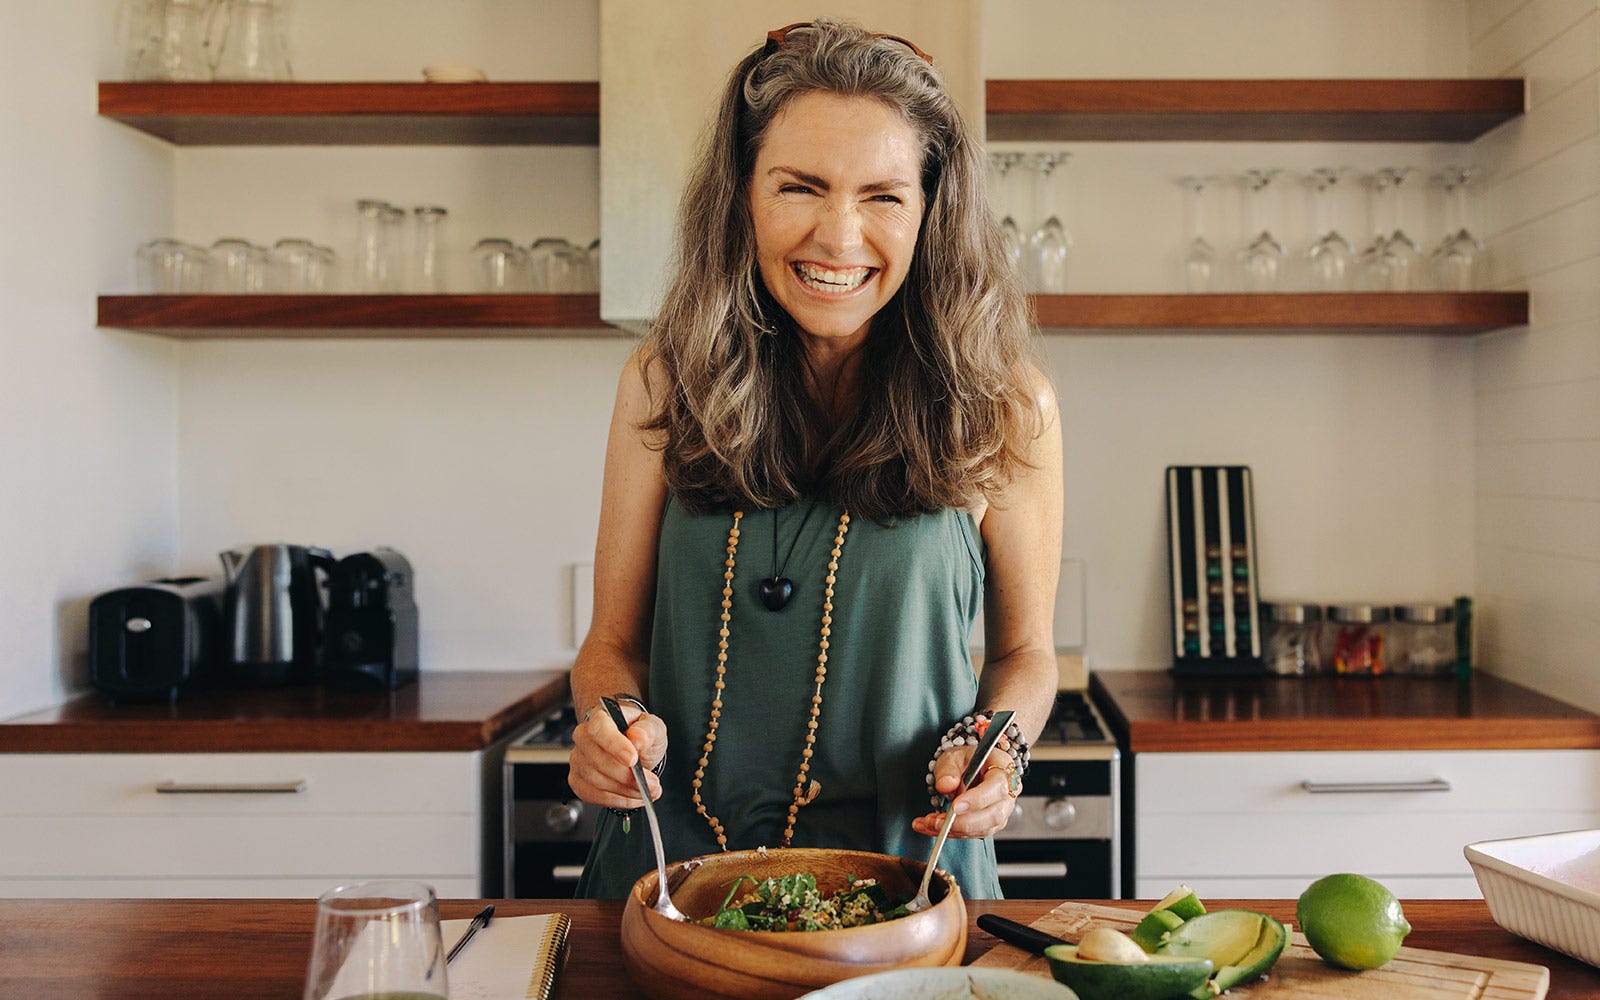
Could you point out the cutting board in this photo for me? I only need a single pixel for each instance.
(1415, 973)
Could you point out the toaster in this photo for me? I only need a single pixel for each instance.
(157, 640)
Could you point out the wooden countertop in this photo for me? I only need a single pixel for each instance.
(177, 949)
(1155, 711)
(442, 711)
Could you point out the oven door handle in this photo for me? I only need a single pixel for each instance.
(1031, 869)
(568, 873)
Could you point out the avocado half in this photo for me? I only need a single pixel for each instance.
(1242, 944)
(1160, 978)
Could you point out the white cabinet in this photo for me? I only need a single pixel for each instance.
(246, 824)
(1265, 825)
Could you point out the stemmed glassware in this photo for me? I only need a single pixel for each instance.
(1010, 232)
(1329, 255)
(1199, 256)
(1390, 263)
(1459, 255)
(1050, 243)
(1263, 256)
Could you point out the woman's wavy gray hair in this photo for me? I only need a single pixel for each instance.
(953, 404)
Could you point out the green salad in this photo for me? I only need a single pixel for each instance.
(794, 903)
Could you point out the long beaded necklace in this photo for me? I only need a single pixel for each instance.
(804, 791)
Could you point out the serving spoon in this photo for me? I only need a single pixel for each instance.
(663, 901)
(986, 743)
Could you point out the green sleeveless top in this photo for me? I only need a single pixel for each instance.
(899, 674)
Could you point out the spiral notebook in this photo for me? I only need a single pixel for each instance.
(513, 958)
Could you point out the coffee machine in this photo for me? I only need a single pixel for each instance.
(372, 623)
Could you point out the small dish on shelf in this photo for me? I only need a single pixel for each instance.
(1545, 888)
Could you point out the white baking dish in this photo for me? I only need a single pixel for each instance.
(1544, 888)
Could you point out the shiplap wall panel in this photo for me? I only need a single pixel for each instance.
(1537, 389)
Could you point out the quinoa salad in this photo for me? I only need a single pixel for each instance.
(794, 903)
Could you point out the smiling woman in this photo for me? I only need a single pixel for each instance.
(832, 449)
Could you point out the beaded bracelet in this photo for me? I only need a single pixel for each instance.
(627, 814)
(968, 732)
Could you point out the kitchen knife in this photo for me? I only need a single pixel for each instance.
(1021, 935)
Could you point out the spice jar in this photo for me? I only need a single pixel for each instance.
(1355, 639)
(1293, 633)
(1424, 639)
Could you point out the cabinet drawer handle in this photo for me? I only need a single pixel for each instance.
(571, 873)
(1365, 787)
(1031, 869)
(232, 787)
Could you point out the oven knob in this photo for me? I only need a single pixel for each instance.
(563, 817)
(1059, 814)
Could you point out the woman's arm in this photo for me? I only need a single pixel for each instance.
(1022, 536)
(614, 658)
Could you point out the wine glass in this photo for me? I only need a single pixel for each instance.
(1051, 244)
(1459, 255)
(1329, 254)
(1199, 256)
(1263, 256)
(1391, 261)
(1010, 232)
(377, 939)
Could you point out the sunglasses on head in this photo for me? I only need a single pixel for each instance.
(775, 39)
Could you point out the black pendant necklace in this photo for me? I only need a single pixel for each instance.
(777, 592)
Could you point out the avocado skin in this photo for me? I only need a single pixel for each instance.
(1154, 980)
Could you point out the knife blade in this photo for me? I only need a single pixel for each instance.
(1021, 935)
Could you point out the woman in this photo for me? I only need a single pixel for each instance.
(831, 449)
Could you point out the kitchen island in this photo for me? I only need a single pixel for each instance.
(239, 949)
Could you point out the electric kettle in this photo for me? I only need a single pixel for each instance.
(274, 613)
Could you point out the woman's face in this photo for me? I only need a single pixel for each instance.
(837, 201)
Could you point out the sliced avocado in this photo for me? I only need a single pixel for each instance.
(1182, 901)
(1153, 929)
(1242, 944)
(1159, 977)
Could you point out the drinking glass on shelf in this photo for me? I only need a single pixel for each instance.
(377, 939)
(393, 221)
(1050, 244)
(500, 265)
(1329, 255)
(1199, 256)
(1391, 262)
(322, 274)
(235, 267)
(550, 265)
(1459, 256)
(252, 44)
(1262, 258)
(372, 245)
(175, 41)
(292, 262)
(1010, 231)
(170, 267)
(427, 266)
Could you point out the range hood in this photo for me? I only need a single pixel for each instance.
(662, 64)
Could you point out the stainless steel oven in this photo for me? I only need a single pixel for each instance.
(1063, 842)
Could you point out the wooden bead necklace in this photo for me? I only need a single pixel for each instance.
(804, 791)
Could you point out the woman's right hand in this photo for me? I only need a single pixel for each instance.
(601, 768)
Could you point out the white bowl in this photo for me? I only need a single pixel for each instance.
(1544, 888)
(949, 983)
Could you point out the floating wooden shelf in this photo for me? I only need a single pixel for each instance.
(1263, 110)
(344, 114)
(275, 316)
(1344, 312)
(200, 317)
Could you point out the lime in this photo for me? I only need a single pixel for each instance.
(1351, 921)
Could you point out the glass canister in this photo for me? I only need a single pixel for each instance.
(1293, 634)
(1424, 639)
(1355, 639)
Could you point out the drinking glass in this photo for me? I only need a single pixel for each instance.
(550, 264)
(427, 267)
(1390, 263)
(175, 44)
(170, 267)
(253, 45)
(1010, 232)
(1199, 256)
(235, 267)
(500, 265)
(323, 270)
(292, 262)
(372, 248)
(1263, 256)
(1459, 256)
(1050, 243)
(377, 939)
(393, 221)
(1329, 254)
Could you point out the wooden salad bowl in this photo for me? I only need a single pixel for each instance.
(669, 960)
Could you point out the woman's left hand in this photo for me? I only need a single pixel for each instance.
(982, 810)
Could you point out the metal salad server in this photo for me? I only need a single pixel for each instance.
(991, 736)
(663, 901)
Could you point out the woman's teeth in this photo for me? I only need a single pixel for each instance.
(826, 280)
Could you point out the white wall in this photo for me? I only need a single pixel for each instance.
(88, 438)
(1537, 390)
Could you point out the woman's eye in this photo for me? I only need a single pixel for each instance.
(887, 199)
(794, 189)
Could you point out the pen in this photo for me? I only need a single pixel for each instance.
(481, 920)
